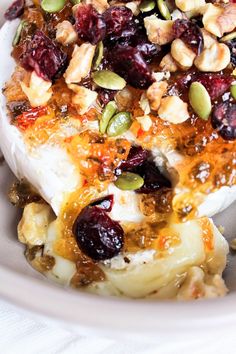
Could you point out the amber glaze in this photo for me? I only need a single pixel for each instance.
(208, 161)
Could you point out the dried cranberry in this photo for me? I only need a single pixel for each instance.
(153, 178)
(145, 47)
(89, 24)
(216, 84)
(15, 10)
(130, 64)
(97, 235)
(105, 96)
(137, 156)
(138, 162)
(105, 203)
(224, 120)
(44, 56)
(119, 22)
(190, 34)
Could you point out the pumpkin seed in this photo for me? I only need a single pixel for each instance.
(161, 4)
(98, 55)
(228, 37)
(107, 114)
(75, 2)
(108, 80)
(233, 91)
(129, 181)
(200, 100)
(119, 124)
(19, 29)
(52, 5)
(147, 5)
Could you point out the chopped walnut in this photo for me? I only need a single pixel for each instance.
(32, 229)
(83, 98)
(213, 59)
(124, 99)
(42, 263)
(145, 122)
(21, 194)
(100, 5)
(189, 5)
(219, 20)
(155, 93)
(134, 7)
(197, 285)
(159, 31)
(182, 54)
(39, 90)
(173, 110)
(208, 38)
(66, 33)
(80, 64)
(168, 64)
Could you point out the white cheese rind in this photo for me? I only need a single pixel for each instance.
(47, 168)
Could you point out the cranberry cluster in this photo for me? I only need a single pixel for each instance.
(44, 56)
(139, 161)
(129, 50)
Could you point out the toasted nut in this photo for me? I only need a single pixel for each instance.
(100, 5)
(168, 64)
(155, 93)
(227, 21)
(124, 99)
(189, 5)
(219, 20)
(134, 7)
(208, 38)
(80, 64)
(182, 54)
(83, 99)
(66, 33)
(38, 92)
(173, 110)
(145, 122)
(158, 31)
(161, 75)
(32, 229)
(144, 103)
(214, 59)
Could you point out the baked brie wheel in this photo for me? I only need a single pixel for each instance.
(119, 121)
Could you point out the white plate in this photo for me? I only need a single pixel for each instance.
(26, 288)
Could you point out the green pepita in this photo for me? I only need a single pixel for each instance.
(19, 29)
(147, 5)
(228, 37)
(233, 91)
(108, 80)
(98, 55)
(52, 5)
(107, 114)
(200, 100)
(163, 8)
(119, 124)
(129, 181)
